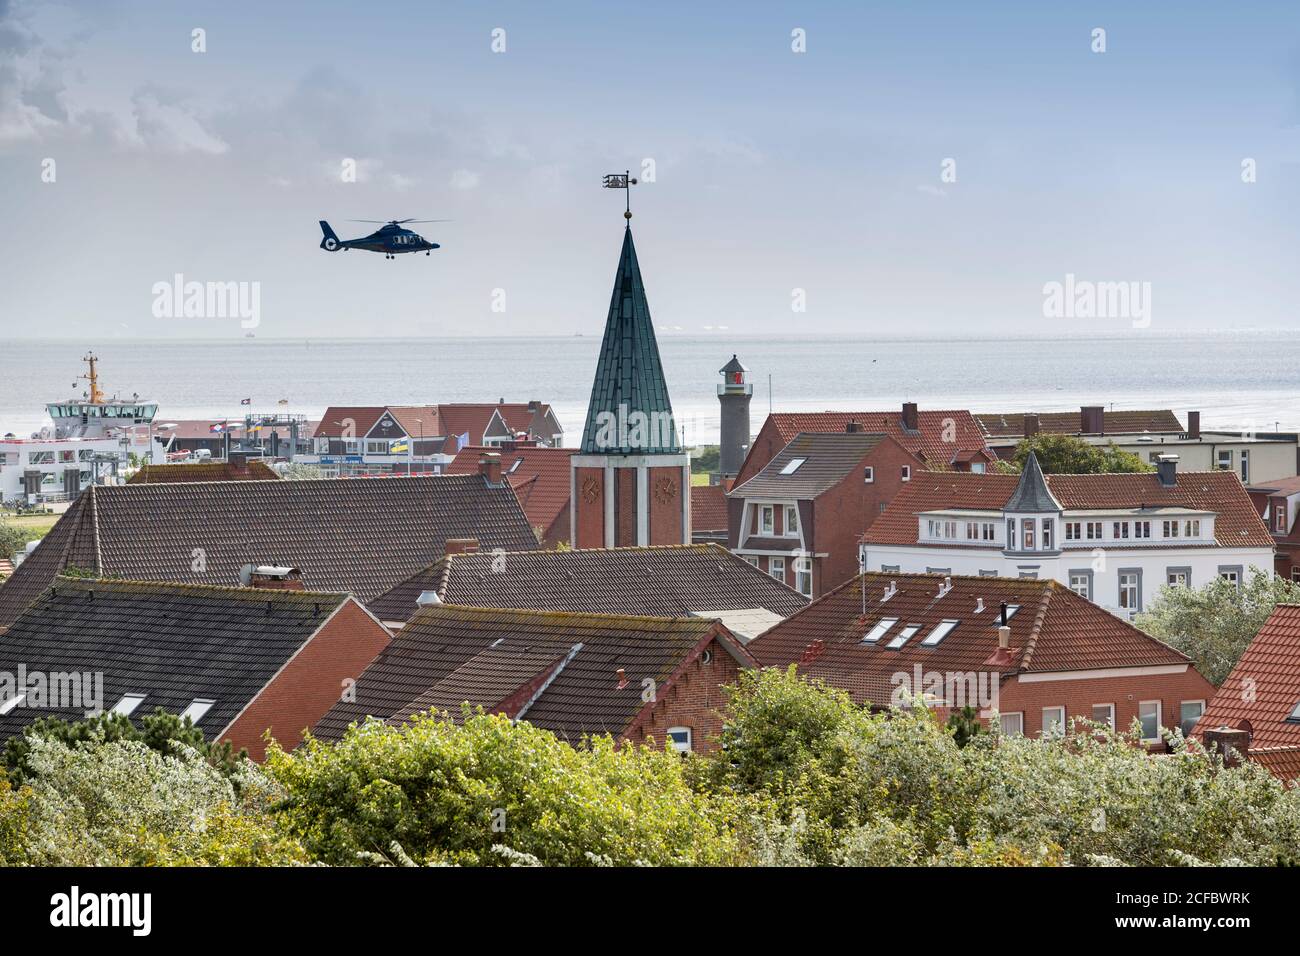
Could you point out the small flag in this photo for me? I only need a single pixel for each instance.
(399, 446)
(245, 401)
(217, 427)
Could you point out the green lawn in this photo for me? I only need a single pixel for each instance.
(35, 525)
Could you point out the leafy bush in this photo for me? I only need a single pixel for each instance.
(435, 792)
(121, 803)
(158, 732)
(1070, 455)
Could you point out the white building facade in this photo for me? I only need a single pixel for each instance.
(1116, 555)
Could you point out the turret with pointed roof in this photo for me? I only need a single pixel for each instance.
(629, 374)
(1032, 495)
(631, 478)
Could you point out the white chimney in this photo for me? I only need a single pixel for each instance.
(979, 605)
(1004, 636)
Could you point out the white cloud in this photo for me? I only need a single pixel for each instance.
(464, 179)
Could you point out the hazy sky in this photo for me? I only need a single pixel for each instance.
(774, 170)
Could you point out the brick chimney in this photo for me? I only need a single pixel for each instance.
(489, 466)
(852, 427)
(910, 418)
(1031, 425)
(1092, 420)
(460, 546)
(1194, 425)
(1232, 744)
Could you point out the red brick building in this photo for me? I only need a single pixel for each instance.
(889, 638)
(1278, 504)
(800, 517)
(942, 440)
(635, 678)
(237, 661)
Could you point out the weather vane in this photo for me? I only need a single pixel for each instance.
(622, 180)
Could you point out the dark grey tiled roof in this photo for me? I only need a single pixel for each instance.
(669, 581)
(171, 642)
(510, 647)
(1032, 494)
(358, 535)
(829, 457)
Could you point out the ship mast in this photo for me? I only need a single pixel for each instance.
(96, 396)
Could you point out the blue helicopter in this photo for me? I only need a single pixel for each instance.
(390, 239)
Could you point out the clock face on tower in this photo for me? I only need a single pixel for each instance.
(665, 490)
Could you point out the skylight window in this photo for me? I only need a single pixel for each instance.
(1294, 716)
(197, 708)
(877, 632)
(11, 704)
(127, 705)
(942, 630)
(903, 636)
(792, 466)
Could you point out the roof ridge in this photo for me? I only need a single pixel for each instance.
(253, 594)
(1031, 643)
(474, 611)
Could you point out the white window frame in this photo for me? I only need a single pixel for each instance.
(767, 519)
(1086, 593)
(868, 474)
(773, 564)
(802, 574)
(1184, 703)
(1159, 718)
(907, 472)
(1110, 717)
(1047, 727)
(1019, 721)
(903, 636)
(941, 630)
(786, 523)
(682, 747)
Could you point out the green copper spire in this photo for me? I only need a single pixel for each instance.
(630, 412)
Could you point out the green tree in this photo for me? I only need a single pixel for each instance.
(159, 731)
(13, 538)
(1213, 624)
(964, 724)
(1070, 455)
(706, 459)
(487, 791)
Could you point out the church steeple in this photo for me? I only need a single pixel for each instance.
(630, 412)
(631, 480)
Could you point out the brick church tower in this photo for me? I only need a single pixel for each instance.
(631, 480)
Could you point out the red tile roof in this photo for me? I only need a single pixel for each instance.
(540, 477)
(939, 436)
(1281, 762)
(1264, 688)
(1054, 630)
(418, 420)
(1237, 525)
(708, 508)
(1012, 424)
